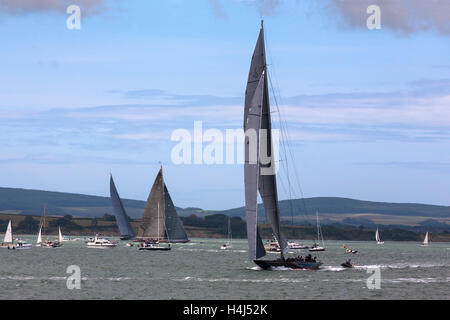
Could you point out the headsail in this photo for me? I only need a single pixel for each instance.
(260, 176)
(119, 211)
(8, 234)
(174, 226)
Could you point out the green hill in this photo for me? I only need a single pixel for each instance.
(31, 202)
(326, 205)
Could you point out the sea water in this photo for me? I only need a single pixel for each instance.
(201, 270)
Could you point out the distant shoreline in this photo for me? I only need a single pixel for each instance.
(214, 227)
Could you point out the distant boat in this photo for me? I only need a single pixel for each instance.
(39, 237)
(46, 243)
(295, 246)
(316, 247)
(426, 242)
(160, 220)
(98, 242)
(153, 243)
(257, 117)
(228, 244)
(122, 219)
(9, 243)
(377, 238)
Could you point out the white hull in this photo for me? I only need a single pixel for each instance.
(316, 249)
(101, 246)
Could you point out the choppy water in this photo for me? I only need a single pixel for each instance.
(200, 270)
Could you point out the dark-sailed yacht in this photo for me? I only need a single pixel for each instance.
(160, 221)
(122, 220)
(259, 176)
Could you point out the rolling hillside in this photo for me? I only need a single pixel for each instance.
(30, 202)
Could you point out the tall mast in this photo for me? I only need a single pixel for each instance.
(45, 206)
(317, 217)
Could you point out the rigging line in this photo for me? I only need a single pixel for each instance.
(283, 127)
(285, 132)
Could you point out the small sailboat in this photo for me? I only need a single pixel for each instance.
(228, 244)
(259, 173)
(377, 238)
(9, 243)
(46, 243)
(39, 237)
(8, 239)
(426, 242)
(316, 247)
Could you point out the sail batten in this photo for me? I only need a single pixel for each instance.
(119, 212)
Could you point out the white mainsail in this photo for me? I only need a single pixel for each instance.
(425, 241)
(377, 237)
(8, 234)
(60, 237)
(39, 238)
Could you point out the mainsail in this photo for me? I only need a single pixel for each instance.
(160, 219)
(425, 241)
(119, 211)
(60, 237)
(377, 236)
(259, 176)
(8, 234)
(39, 238)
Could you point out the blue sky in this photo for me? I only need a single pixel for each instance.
(368, 111)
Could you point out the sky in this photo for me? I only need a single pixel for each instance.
(367, 111)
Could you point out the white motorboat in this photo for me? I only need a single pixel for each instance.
(101, 243)
(295, 246)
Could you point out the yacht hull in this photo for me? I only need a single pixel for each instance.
(267, 264)
(156, 249)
